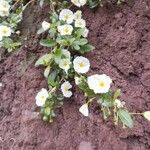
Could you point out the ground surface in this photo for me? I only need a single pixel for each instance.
(121, 36)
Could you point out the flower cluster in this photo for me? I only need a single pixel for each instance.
(10, 15)
(68, 32)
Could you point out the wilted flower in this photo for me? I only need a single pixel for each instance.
(77, 80)
(78, 14)
(84, 110)
(41, 97)
(65, 29)
(4, 8)
(85, 32)
(81, 64)
(79, 3)
(118, 103)
(65, 88)
(99, 83)
(146, 114)
(5, 31)
(45, 25)
(66, 15)
(65, 64)
(80, 23)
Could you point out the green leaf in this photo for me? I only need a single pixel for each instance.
(83, 41)
(86, 48)
(125, 117)
(76, 47)
(48, 42)
(116, 94)
(47, 111)
(47, 71)
(44, 60)
(93, 3)
(52, 78)
(106, 112)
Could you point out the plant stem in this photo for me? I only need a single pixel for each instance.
(136, 113)
(91, 100)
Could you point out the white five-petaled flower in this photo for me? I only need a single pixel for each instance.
(85, 32)
(65, 29)
(99, 83)
(84, 110)
(146, 115)
(79, 3)
(45, 25)
(4, 8)
(65, 88)
(65, 64)
(5, 31)
(80, 23)
(78, 14)
(41, 97)
(81, 64)
(66, 15)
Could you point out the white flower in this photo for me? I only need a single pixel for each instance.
(45, 25)
(79, 3)
(81, 64)
(85, 32)
(4, 8)
(77, 80)
(99, 83)
(65, 64)
(146, 114)
(78, 14)
(80, 23)
(65, 29)
(5, 31)
(84, 110)
(66, 15)
(118, 103)
(65, 88)
(41, 97)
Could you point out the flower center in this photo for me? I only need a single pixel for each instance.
(81, 64)
(79, 23)
(66, 89)
(66, 17)
(65, 64)
(42, 97)
(4, 31)
(101, 84)
(66, 30)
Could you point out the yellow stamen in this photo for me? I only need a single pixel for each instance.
(66, 30)
(81, 65)
(101, 84)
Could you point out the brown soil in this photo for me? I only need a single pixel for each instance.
(121, 35)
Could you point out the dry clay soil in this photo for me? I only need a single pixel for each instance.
(121, 35)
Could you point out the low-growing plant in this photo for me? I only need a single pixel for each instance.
(67, 41)
(11, 12)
